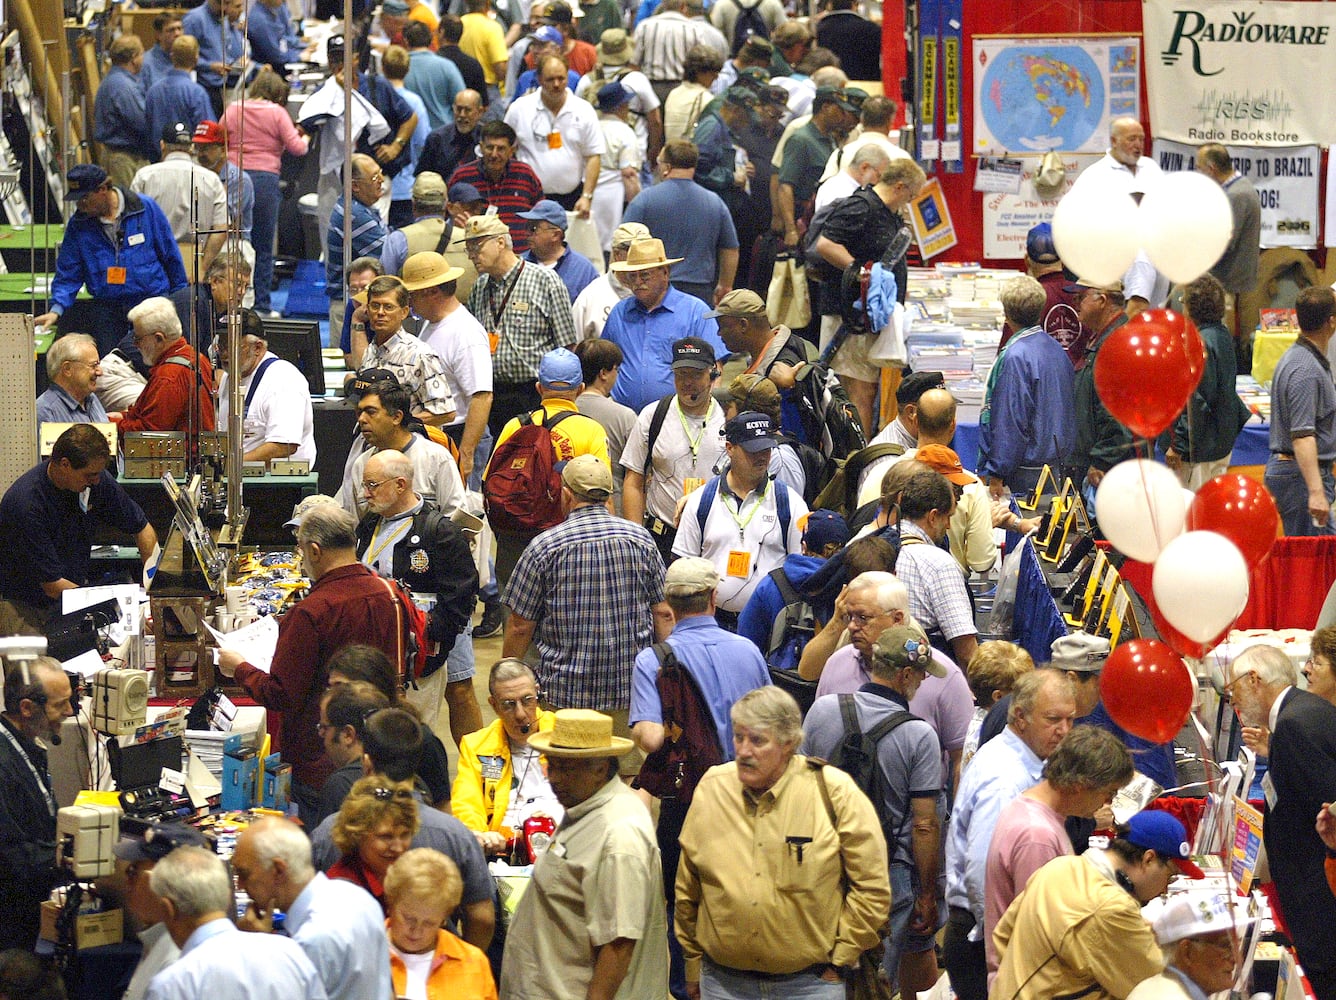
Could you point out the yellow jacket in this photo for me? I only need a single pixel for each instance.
(478, 789)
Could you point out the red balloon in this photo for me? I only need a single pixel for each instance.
(1242, 510)
(1147, 368)
(1147, 689)
(1180, 643)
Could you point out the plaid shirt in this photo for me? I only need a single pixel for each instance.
(936, 584)
(536, 319)
(589, 583)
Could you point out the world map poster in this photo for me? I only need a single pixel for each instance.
(1033, 94)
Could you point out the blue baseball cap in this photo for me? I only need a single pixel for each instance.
(824, 527)
(1039, 245)
(83, 178)
(613, 95)
(546, 211)
(751, 431)
(464, 192)
(1156, 830)
(560, 370)
(550, 35)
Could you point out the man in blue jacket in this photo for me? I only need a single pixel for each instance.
(1026, 421)
(141, 259)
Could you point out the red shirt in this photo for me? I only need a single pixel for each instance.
(345, 606)
(164, 405)
(517, 190)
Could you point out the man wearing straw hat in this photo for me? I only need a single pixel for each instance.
(645, 325)
(593, 921)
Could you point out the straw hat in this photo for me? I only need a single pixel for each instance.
(427, 269)
(644, 255)
(581, 732)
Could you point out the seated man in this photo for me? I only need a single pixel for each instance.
(277, 414)
(176, 373)
(501, 783)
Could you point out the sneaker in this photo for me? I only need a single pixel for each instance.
(493, 618)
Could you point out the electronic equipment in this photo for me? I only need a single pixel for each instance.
(120, 701)
(76, 633)
(140, 765)
(298, 341)
(85, 836)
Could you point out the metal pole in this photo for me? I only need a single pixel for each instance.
(349, 82)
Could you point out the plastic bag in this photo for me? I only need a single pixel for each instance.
(787, 300)
(582, 237)
(1004, 604)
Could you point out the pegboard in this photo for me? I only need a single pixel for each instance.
(18, 398)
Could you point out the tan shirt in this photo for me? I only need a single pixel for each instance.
(748, 900)
(1073, 929)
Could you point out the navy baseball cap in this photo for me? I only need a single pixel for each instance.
(613, 95)
(560, 370)
(692, 352)
(915, 384)
(1156, 830)
(546, 211)
(824, 527)
(1039, 245)
(83, 178)
(464, 192)
(751, 431)
(159, 841)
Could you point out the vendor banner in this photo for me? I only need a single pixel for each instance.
(1286, 179)
(1240, 71)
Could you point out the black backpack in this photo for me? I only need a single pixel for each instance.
(690, 739)
(856, 754)
(828, 418)
(749, 22)
(814, 465)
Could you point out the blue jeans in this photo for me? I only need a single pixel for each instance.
(718, 983)
(264, 223)
(901, 940)
(1290, 492)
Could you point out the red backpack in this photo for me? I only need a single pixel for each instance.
(522, 490)
(690, 740)
(414, 648)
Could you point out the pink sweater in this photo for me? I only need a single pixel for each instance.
(268, 130)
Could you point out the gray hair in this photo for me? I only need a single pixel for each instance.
(157, 315)
(830, 76)
(1272, 666)
(1088, 758)
(283, 840)
(510, 668)
(871, 154)
(1029, 686)
(195, 880)
(64, 349)
(396, 464)
(887, 590)
(329, 526)
(771, 710)
(225, 262)
(1023, 300)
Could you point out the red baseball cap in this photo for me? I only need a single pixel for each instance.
(209, 132)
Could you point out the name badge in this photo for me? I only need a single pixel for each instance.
(739, 563)
(491, 767)
(691, 485)
(554, 140)
(135, 239)
(115, 276)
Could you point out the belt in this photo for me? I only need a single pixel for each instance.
(658, 528)
(1283, 456)
(812, 970)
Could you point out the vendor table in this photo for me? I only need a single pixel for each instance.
(31, 248)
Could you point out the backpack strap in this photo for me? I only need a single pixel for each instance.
(655, 426)
(819, 766)
(708, 492)
(860, 460)
(446, 233)
(786, 591)
(782, 511)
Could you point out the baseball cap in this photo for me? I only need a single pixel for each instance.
(823, 527)
(364, 380)
(692, 352)
(1155, 830)
(751, 431)
(83, 178)
(483, 226)
(160, 839)
(613, 95)
(945, 461)
(561, 13)
(690, 575)
(1081, 284)
(546, 210)
(396, 7)
(587, 477)
(830, 95)
(209, 133)
(1198, 912)
(548, 34)
(560, 370)
(178, 133)
(740, 96)
(906, 645)
(463, 192)
(1080, 651)
(1039, 245)
(739, 302)
(251, 325)
(915, 384)
(303, 506)
(333, 44)
(628, 233)
(429, 186)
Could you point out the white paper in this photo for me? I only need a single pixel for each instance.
(86, 663)
(126, 595)
(256, 642)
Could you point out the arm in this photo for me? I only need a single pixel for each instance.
(593, 164)
(728, 271)
(519, 633)
(633, 496)
(786, 216)
(146, 540)
(980, 549)
(820, 647)
(479, 923)
(270, 450)
(1305, 453)
(926, 844)
(480, 408)
(610, 967)
(435, 419)
(54, 589)
(387, 151)
(648, 735)
(833, 253)
(964, 647)
(867, 901)
(654, 122)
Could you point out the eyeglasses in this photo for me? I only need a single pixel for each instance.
(508, 705)
(1228, 690)
(323, 727)
(636, 277)
(860, 619)
(383, 307)
(385, 794)
(370, 487)
(95, 364)
(474, 247)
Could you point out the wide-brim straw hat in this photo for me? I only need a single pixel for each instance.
(581, 732)
(644, 255)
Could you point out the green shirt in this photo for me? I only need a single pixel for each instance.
(805, 156)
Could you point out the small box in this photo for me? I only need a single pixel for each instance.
(241, 774)
(277, 783)
(91, 930)
(84, 839)
(289, 467)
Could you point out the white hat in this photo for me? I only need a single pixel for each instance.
(1199, 912)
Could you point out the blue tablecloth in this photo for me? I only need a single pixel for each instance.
(1251, 447)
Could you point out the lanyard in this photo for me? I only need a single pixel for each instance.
(693, 444)
(738, 519)
(46, 792)
(374, 552)
(505, 300)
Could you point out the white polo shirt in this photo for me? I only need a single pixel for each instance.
(461, 343)
(681, 462)
(435, 478)
(279, 412)
(556, 145)
(745, 542)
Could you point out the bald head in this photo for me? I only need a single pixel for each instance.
(936, 417)
(1127, 141)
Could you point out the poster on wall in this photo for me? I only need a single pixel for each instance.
(931, 219)
(1240, 72)
(1008, 217)
(1286, 179)
(1035, 93)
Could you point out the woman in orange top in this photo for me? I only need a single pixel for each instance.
(422, 889)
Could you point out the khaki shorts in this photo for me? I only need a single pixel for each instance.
(851, 359)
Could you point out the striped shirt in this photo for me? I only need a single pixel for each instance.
(368, 241)
(536, 318)
(662, 41)
(517, 190)
(590, 584)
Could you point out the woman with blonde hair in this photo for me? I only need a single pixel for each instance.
(374, 827)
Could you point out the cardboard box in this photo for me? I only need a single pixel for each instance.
(91, 930)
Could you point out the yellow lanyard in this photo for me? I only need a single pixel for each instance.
(693, 443)
(738, 519)
(373, 552)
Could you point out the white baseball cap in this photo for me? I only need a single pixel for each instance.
(1198, 912)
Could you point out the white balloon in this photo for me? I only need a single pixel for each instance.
(1140, 509)
(1096, 232)
(1188, 497)
(1200, 583)
(1185, 225)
